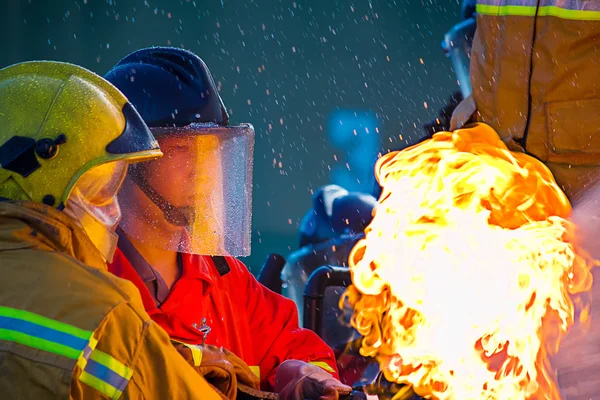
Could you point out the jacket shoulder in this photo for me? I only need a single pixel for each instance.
(60, 287)
(51, 306)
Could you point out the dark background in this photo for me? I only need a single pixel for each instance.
(282, 65)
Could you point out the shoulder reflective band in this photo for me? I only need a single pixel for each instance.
(323, 365)
(38, 332)
(105, 374)
(573, 9)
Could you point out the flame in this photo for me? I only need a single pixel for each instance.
(461, 287)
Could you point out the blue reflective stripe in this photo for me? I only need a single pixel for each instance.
(42, 332)
(106, 375)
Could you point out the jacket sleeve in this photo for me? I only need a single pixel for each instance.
(274, 319)
(131, 357)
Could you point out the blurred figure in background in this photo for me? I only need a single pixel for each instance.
(328, 232)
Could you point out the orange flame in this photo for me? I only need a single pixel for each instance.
(461, 287)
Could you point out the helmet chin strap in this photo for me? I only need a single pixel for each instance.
(178, 216)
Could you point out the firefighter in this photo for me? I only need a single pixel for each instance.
(328, 232)
(533, 77)
(185, 217)
(69, 328)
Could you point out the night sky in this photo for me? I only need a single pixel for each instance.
(283, 66)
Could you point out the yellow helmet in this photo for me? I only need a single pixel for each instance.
(58, 121)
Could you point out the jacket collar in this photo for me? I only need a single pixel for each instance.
(34, 225)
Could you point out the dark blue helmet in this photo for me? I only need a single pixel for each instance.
(336, 212)
(169, 87)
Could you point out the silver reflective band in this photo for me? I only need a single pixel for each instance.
(584, 10)
(582, 5)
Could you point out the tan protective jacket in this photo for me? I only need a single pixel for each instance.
(535, 73)
(70, 329)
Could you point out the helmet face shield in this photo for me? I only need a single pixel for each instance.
(197, 199)
(93, 204)
(100, 184)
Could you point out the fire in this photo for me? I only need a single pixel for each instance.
(461, 287)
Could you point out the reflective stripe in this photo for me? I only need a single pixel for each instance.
(323, 365)
(47, 322)
(542, 11)
(255, 369)
(100, 385)
(580, 5)
(110, 362)
(38, 332)
(576, 5)
(196, 352)
(87, 352)
(105, 374)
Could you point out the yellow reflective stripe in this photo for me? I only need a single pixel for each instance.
(543, 11)
(196, 355)
(85, 354)
(502, 11)
(255, 369)
(323, 365)
(39, 344)
(111, 363)
(102, 372)
(101, 386)
(93, 343)
(583, 15)
(196, 352)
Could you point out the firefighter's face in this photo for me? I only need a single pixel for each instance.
(174, 176)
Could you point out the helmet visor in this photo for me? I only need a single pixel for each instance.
(100, 184)
(200, 192)
(93, 204)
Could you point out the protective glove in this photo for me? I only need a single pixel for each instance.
(297, 380)
(242, 371)
(213, 365)
(221, 368)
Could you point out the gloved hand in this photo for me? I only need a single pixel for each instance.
(214, 367)
(242, 371)
(297, 380)
(221, 368)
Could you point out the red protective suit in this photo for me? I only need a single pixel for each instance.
(256, 324)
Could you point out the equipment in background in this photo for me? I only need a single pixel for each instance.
(328, 232)
(270, 273)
